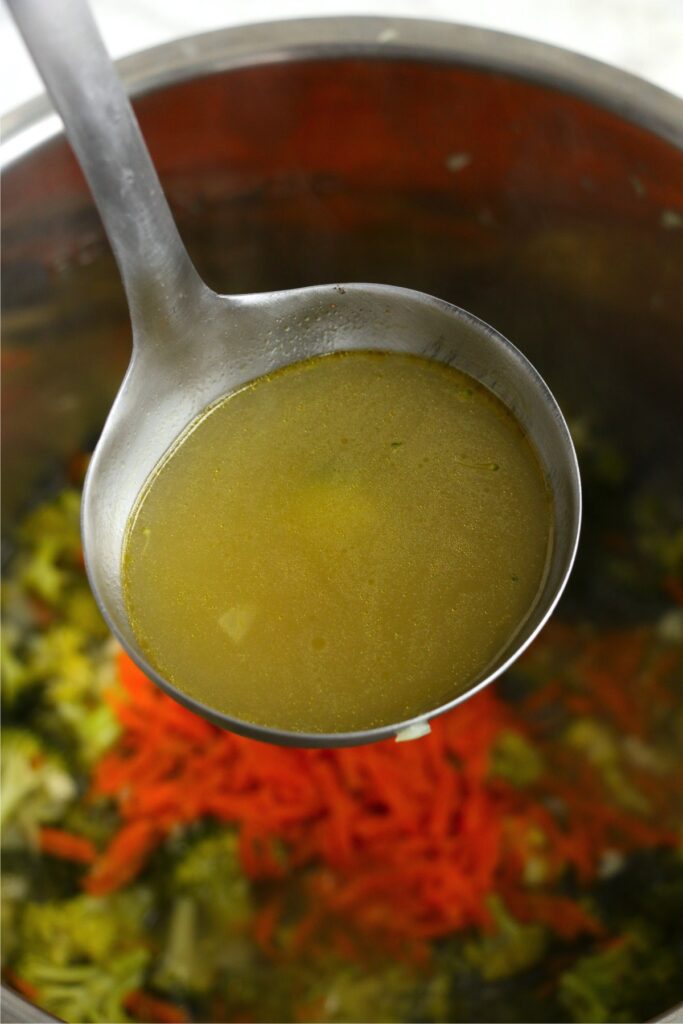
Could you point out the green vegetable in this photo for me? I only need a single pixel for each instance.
(511, 948)
(87, 993)
(57, 524)
(342, 992)
(72, 681)
(604, 750)
(15, 889)
(210, 871)
(84, 955)
(14, 673)
(516, 760)
(207, 927)
(92, 928)
(58, 655)
(620, 981)
(52, 547)
(36, 787)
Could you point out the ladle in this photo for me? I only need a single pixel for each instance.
(192, 346)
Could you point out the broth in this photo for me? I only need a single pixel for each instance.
(340, 545)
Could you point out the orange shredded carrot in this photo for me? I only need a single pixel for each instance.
(123, 858)
(25, 988)
(564, 916)
(400, 842)
(66, 845)
(673, 585)
(153, 1010)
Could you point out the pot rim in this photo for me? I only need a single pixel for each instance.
(34, 122)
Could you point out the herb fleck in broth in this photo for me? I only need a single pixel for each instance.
(340, 545)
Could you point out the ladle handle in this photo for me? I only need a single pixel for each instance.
(70, 55)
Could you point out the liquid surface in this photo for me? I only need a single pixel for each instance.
(339, 546)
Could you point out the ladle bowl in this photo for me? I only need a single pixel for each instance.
(192, 346)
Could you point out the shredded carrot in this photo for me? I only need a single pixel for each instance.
(564, 916)
(403, 842)
(66, 845)
(25, 988)
(153, 1010)
(673, 585)
(77, 467)
(123, 858)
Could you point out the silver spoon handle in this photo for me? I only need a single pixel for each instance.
(70, 55)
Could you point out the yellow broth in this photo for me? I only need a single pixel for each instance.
(340, 545)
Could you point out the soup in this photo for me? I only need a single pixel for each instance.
(343, 544)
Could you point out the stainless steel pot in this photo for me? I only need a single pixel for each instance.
(541, 190)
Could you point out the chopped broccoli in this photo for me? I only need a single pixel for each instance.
(511, 948)
(182, 965)
(516, 760)
(52, 548)
(618, 983)
(15, 889)
(58, 520)
(210, 871)
(340, 991)
(93, 928)
(602, 748)
(60, 654)
(87, 993)
(84, 955)
(13, 671)
(58, 658)
(81, 611)
(36, 787)
(42, 576)
(96, 729)
(206, 933)
(73, 681)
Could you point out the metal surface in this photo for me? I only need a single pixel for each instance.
(192, 347)
(17, 1010)
(592, 215)
(369, 37)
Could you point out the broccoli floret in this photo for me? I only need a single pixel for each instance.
(207, 928)
(511, 948)
(339, 991)
(87, 993)
(58, 658)
(60, 654)
(41, 574)
(516, 760)
(85, 955)
(36, 787)
(81, 611)
(660, 535)
(210, 872)
(73, 682)
(96, 729)
(53, 534)
(602, 748)
(13, 671)
(15, 889)
(618, 983)
(91, 928)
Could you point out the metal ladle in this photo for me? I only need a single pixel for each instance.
(192, 346)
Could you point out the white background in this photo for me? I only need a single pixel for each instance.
(642, 36)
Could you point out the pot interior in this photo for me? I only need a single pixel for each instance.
(550, 217)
